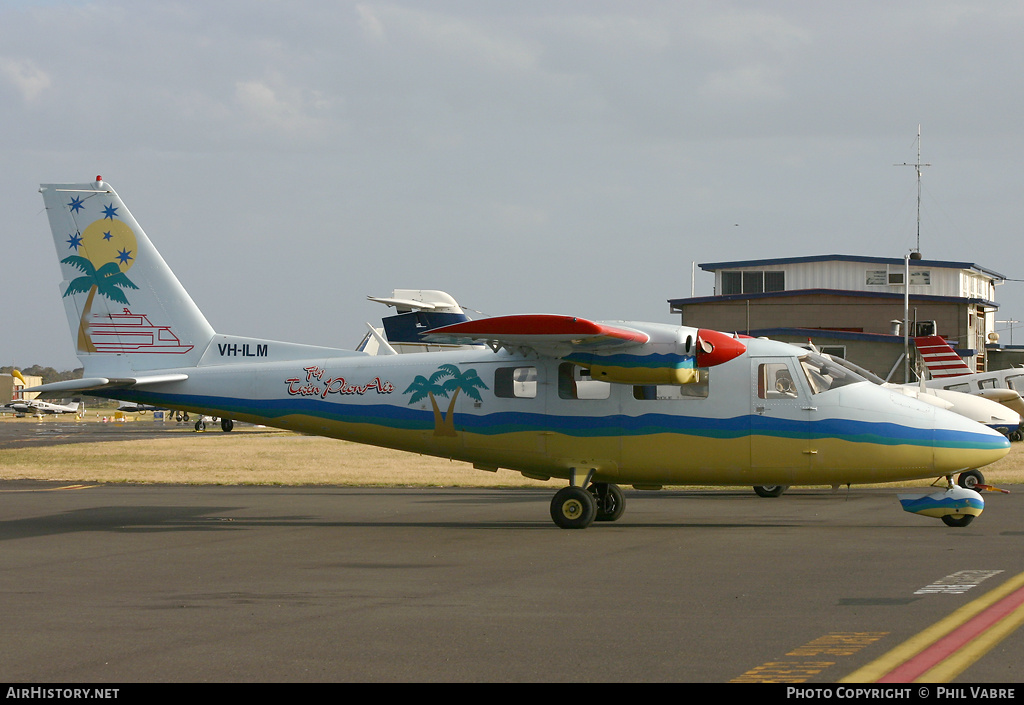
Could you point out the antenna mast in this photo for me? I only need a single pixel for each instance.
(917, 166)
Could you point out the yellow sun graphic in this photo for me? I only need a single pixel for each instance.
(109, 241)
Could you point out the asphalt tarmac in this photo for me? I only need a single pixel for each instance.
(127, 584)
(29, 432)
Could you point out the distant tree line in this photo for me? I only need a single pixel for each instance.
(47, 373)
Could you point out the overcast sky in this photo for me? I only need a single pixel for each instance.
(290, 158)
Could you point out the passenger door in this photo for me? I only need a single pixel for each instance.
(781, 411)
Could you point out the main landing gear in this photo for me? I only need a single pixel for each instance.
(574, 507)
(225, 424)
(770, 490)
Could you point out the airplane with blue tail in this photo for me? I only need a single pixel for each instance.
(595, 404)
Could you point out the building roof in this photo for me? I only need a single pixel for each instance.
(811, 333)
(829, 292)
(776, 261)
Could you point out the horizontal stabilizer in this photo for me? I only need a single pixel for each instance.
(88, 384)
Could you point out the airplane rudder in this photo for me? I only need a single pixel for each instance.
(121, 298)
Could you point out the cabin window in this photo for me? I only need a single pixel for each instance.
(574, 382)
(515, 382)
(775, 381)
(989, 383)
(1015, 382)
(823, 374)
(673, 392)
(966, 388)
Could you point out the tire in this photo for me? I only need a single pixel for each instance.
(770, 490)
(970, 479)
(226, 425)
(609, 500)
(959, 522)
(200, 425)
(573, 508)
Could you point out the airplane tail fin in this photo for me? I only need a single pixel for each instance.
(940, 358)
(126, 309)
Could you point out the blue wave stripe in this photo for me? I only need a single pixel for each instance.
(406, 418)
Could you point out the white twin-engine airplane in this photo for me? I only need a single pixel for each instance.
(949, 372)
(35, 407)
(596, 404)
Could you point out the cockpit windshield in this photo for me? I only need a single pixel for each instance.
(823, 374)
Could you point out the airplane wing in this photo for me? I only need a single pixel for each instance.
(1000, 395)
(88, 384)
(538, 331)
(630, 353)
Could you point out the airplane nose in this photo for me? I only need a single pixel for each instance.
(960, 443)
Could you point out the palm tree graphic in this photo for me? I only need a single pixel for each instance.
(447, 379)
(107, 281)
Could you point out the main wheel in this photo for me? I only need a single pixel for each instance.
(611, 503)
(770, 490)
(970, 479)
(200, 425)
(573, 508)
(226, 425)
(960, 521)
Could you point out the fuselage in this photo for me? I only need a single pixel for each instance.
(768, 416)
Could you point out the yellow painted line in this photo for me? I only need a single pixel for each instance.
(833, 644)
(51, 489)
(959, 660)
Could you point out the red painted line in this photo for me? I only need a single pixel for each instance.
(955, 640)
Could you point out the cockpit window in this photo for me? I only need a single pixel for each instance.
(823, 374)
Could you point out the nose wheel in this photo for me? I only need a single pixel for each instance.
(970, 479)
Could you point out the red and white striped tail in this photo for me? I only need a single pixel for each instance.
(940, 358)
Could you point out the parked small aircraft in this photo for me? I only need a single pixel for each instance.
(130, 407)
(38, 407)
(949, 371)
(549, 396)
